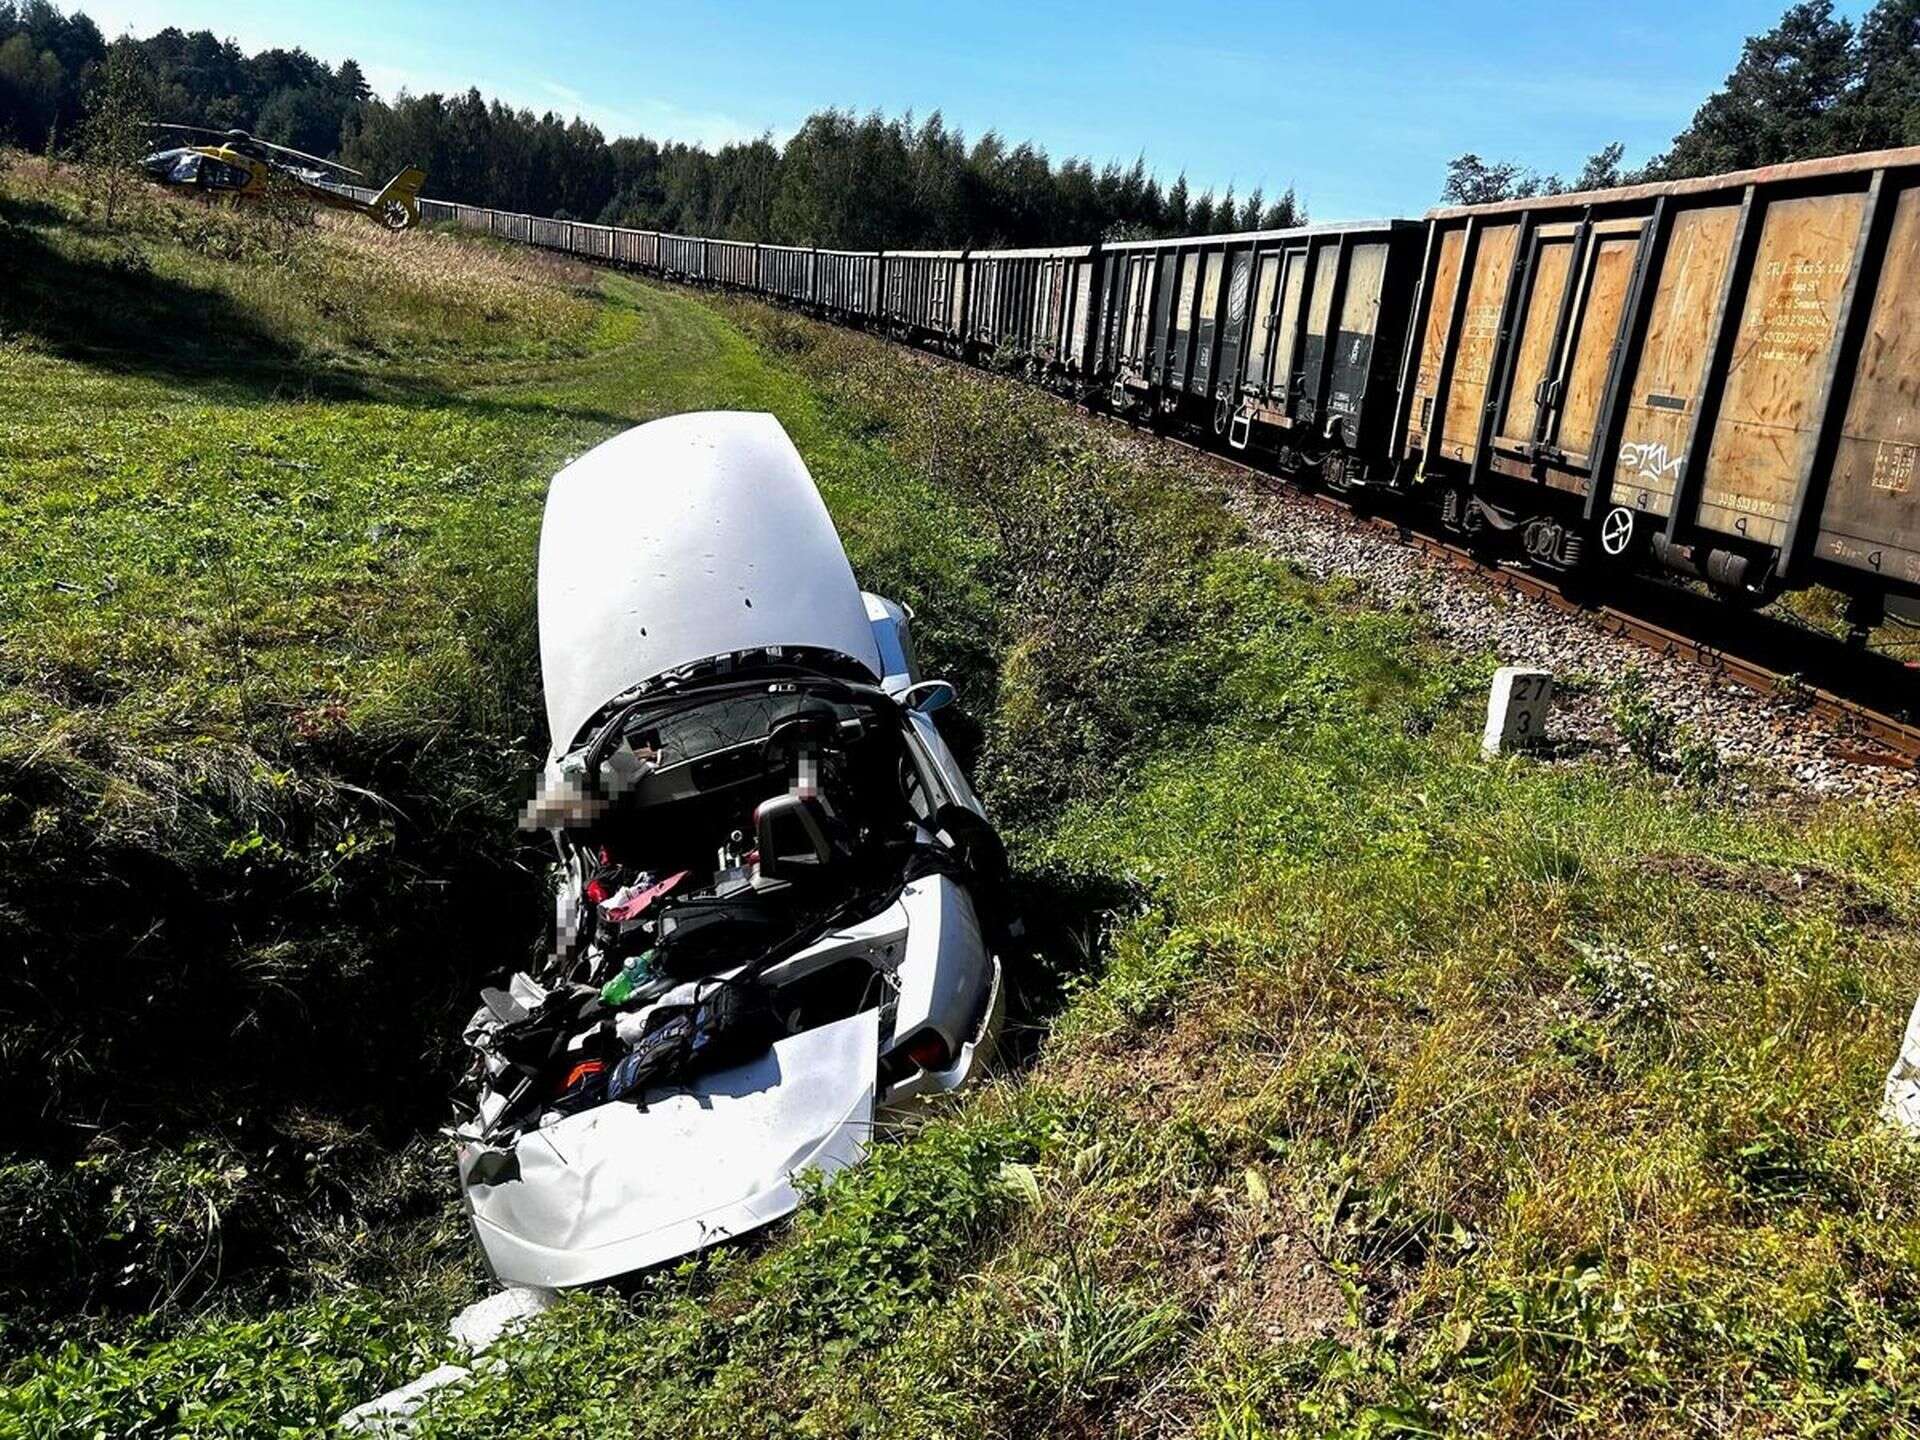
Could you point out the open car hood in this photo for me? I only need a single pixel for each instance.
(683, 539)
(722, 1153)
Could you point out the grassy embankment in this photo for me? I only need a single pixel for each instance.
(1416, 1095)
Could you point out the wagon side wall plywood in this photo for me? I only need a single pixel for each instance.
(1788, 324)
(1610, 278)
(1479, 337)
(1433, 342)
(1520, 410)
(1358, 328)
(1664, 389)
(1872, 517)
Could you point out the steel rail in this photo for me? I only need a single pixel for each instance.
(1854, 720)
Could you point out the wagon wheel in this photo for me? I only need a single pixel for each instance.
(1617, 532)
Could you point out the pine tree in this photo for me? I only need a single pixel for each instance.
(1779, 103)
(352, 81)
(1175, 219)
(1884, 109)
(1286, 213)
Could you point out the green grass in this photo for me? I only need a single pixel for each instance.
(268, 703)
(1411, 1094)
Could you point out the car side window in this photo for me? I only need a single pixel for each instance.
(915, 789)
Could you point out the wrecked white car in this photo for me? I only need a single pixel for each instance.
(778, 907)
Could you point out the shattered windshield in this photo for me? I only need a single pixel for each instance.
(699, 730)
(707, 740)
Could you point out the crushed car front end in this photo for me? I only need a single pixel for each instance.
(777, 899)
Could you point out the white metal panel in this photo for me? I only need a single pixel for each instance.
(686, 538)
(618, 1188)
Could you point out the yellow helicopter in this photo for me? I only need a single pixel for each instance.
(243, 166)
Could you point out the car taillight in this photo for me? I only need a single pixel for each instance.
(928, 1050)
(924, 1050)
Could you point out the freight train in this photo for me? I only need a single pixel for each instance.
(1718, 377)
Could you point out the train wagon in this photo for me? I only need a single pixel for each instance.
(1285, 340)
(595, 242)
(1721, 372)
(847, 282)
(732, 263)
(683, 256)
(444, 212)
(1312, 328)
(549, 234)
(639, 248)
(1032, 305)
(923, 294)
(1146, 339)
(786, 273)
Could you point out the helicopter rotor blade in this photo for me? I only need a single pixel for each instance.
(243, 137)
(302, 155)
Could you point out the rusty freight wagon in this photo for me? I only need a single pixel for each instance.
(1284, 339)
(1723, 373)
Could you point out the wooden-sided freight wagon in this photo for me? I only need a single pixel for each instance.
(1724, 372)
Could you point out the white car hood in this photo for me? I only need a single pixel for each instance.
(618, 1188)
(682, 539)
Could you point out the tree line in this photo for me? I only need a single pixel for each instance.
(856, 181)
(53, 66)
(843, 179)
(1815, 84)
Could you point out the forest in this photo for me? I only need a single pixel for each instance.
(1816, 83)
(841, 179)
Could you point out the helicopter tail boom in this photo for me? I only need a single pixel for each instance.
(402, 191)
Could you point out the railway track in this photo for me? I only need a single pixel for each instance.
(1866, 698)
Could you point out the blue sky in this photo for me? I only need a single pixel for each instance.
(1357, 105)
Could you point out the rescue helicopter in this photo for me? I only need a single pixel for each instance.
(243, 166)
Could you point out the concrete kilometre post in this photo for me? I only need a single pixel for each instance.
(1517, 709)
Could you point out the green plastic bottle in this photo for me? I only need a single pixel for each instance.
(620, 988)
